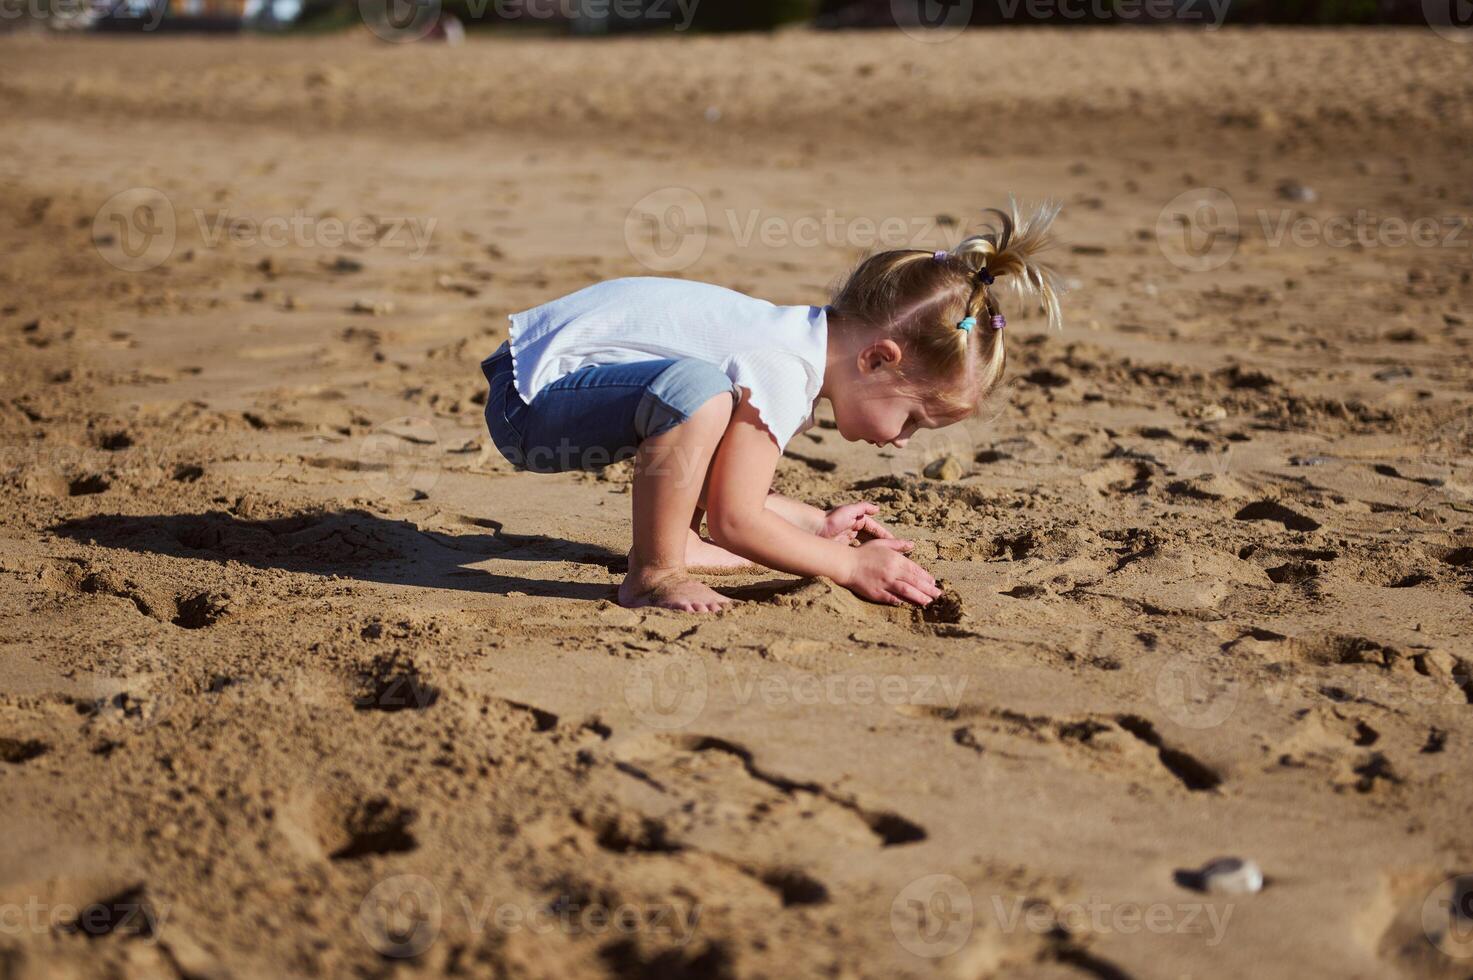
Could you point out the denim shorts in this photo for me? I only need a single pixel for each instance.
(597, 415)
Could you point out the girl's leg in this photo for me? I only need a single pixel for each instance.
(702, 553)
(646, 410)
(669, 473)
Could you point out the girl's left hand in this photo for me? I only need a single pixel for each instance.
(854, 522)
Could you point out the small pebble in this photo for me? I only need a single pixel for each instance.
(1232, 876)
(1292, 190)
(947, 468)
(1392, 373)
(323, 78)
(377, 308)
(1224, 876)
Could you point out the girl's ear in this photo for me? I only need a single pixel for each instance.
(878, 355)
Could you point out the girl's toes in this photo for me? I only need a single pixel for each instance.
(686, 595)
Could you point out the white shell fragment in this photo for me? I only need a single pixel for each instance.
(1292, 190)
(1230, 876)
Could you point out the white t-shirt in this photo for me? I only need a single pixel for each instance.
(778, 353)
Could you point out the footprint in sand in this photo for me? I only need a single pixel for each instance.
(1429, 924)
(394, 683)
(18, 751)
(88, 485)
(342, 824)
(688, 766)
(624, 832)
(1124, 744)
(1271, 510)
(191, 609)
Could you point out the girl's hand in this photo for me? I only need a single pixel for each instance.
(880, 573)
(854, 522)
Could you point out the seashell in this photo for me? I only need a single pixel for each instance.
(1224, 876)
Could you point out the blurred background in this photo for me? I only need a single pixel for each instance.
(602, 17)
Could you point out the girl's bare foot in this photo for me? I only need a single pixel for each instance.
(700, 553)
(672, 590)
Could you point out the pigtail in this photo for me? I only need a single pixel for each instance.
(943, 307)
(1005, 255)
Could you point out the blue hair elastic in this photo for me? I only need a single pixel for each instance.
(985, 278)
(967, 324)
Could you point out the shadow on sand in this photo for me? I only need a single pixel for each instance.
(354, 544)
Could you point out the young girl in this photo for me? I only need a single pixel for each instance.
(704, 387)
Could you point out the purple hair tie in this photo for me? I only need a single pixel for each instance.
(999, 321)
(940, 255)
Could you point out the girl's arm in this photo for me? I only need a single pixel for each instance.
(739, 520)
(846, 523)
(796, 512)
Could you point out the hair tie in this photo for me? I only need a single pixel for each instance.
(985, 277)
(940, 255)
(967, 324)
(999, 321)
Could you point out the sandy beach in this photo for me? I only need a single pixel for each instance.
(300, 678)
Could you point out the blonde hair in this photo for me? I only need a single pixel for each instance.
(917, 298)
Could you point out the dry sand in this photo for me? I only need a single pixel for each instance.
(299, 675)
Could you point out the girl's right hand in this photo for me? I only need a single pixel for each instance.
(880, 573)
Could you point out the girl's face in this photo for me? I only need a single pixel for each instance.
(870, 405)
(881, 418)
